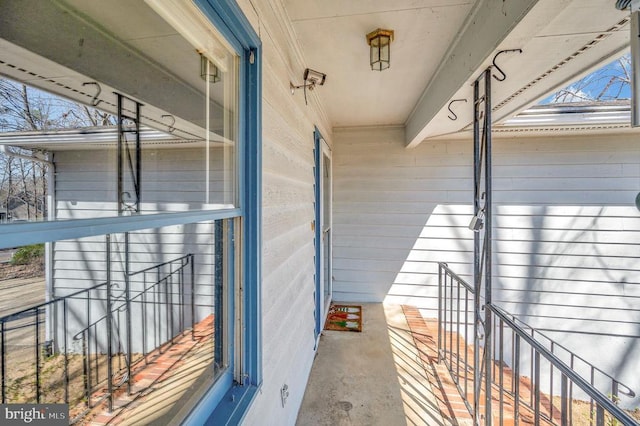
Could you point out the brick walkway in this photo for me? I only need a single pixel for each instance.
(452, 406)
(425, 335)
(166, 375)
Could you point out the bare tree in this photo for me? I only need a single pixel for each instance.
(23, 109)
(609, 83)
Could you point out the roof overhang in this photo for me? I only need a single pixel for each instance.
(96, 138)
(561, 40)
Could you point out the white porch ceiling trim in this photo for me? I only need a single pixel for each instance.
(284, 36)
(487, 26)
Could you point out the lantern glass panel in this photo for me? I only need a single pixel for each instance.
(380, 52)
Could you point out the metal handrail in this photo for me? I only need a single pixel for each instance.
(596, 395)
(627, 391)
(445, 266)
(17, 315)
(91, 331)
(453, 310)
(160, 265)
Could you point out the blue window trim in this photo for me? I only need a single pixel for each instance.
(227, 402)
(317, 136)
(19, 234)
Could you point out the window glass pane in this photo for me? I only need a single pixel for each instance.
(326, 225)
(145, 308)
(326, 192)
(158, 135)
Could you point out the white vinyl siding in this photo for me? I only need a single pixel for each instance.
(172, 180)
(567, 233)
(86, 188)
(288, 266)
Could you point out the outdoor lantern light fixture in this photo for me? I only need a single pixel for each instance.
(208, 68)
(380, 49)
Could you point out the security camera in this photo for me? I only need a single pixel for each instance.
(313, 77)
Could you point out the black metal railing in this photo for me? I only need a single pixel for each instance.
(455, 323)
(80, 348)
(534, 378)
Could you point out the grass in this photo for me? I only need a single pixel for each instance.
(26, 262)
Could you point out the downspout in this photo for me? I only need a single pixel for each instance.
(51, 214)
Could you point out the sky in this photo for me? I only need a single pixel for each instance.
(610, 82)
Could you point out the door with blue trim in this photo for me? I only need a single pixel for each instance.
(324, 181)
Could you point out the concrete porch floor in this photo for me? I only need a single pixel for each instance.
(376, 377)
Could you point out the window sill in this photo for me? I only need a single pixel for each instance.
(231, 409)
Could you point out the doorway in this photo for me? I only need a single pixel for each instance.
(323, 229)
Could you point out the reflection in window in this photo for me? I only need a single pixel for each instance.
(129, 311)
(132, 306)
(178, 151)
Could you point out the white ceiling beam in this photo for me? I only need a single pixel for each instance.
(489, 22)
(56, 33)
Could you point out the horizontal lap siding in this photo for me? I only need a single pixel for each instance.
(396, 213)
(563, 217)
(566, 231)
(288, 267)
(86, 188)
(288, 247)
(172, 180)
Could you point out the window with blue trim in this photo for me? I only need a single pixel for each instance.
(148, 264)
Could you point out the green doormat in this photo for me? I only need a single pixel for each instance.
(344, 318)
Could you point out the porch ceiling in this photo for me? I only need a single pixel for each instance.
(441, 46)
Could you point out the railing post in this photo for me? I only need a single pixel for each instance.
(86, 351)
(444, 318)
(143, 309)
(4, 362)
(551, 383)
(451, 323)
(599, 415)
(536, 388)
(501, 369)
(466, 344)
(170, 285)
(571, 391)
(564, 402)
(167, 308)
(65, 325)
(127, 284)
(516, 385)
(439, 310)
(183, 263)
(457, 329)
(591, 410)
(193, 299)
(109, 325)
(37, 326)
(157, 312)
(86, 366)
